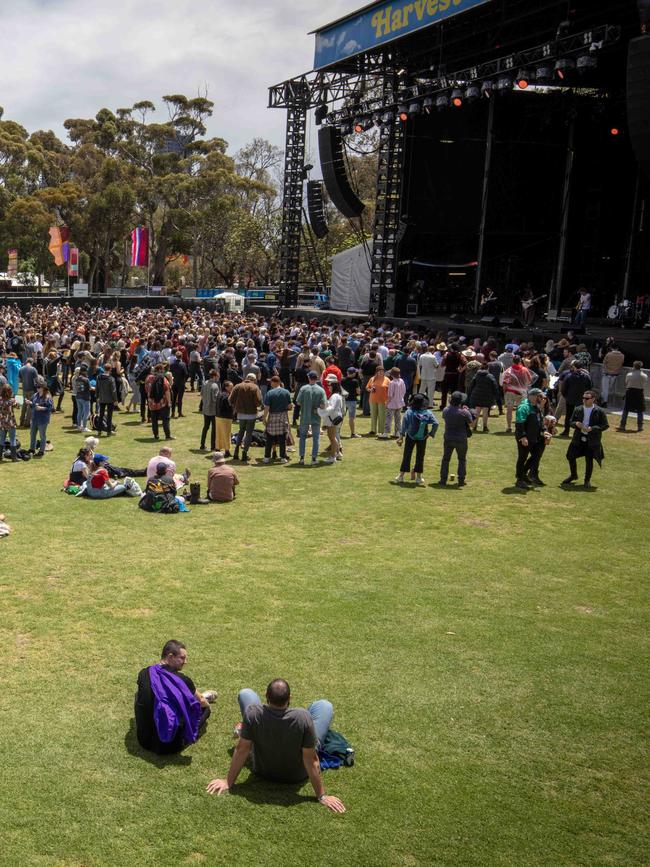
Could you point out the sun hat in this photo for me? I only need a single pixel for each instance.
(331, 377)
(218, 458)
(469, 353)
(441, 347)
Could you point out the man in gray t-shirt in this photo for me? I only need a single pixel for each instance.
(284, 741)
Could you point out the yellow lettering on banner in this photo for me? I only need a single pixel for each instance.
(419, 8)
(432, 7)
(396, 21)
(407, 10)
(444, 5)
(457, 2)
(381, 22)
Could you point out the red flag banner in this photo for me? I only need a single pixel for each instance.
(73, 262)
(140, 247)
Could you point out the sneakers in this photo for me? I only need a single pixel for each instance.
(211, 696)
(284, 460)
(570, 480)
(329, 460)
(356, 436)
(301, 462)
(399, 478)
(382, 436)
(523, 485)
(535, 480)
(266, 460)
(313, 463)
(420, 482)
(339, 457)
(461, 483)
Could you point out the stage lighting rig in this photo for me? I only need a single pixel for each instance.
(427, 104)
(523, 79)
(472, 93)
(504, 84)
(586, 62)
(403, 112)
(442, 101)
(563, 66)
(414, 108)
(457, 97)
(543, 74)
(487, 88)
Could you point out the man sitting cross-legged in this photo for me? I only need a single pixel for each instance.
(169, 711)
(284, 741)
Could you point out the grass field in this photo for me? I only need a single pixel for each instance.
(486, 651)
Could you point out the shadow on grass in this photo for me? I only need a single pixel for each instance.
(578, 489)
(407, 486)
(134, 749)
(513, 490)
(259, 791)
(131, 423)
(502, 433)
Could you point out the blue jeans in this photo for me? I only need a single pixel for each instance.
(83, 412)
(315, 437)
(320, 711)
(12, 437)
(37, 428)
(104, 493)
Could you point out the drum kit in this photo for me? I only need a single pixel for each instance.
(621, 314)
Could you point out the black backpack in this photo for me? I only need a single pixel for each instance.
(142, 370)
(157, 391)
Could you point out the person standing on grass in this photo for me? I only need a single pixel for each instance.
(310, 399)
(573, 388)
(169, 710)
(42, 406)
(414, 434)
(588, 422)
(106, 393)
(351, 386)
(636, 382)
(277, 402)
(223, 418)
(159, 401)
(482, 394)
(395, 404)
(377, 388)
(8, 406)
(529, 431)
(332, 417)
(209, 396)
(28, 376)
(284, 739)
(517, 379)
(179, 372)
(457, 418)
(245, 399)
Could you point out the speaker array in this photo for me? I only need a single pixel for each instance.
(330, 148)
(315, 209)
(638, 98)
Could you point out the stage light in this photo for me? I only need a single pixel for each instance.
(543, 74)
(358, 126)
(403, 112)
(586, 62)
(487, 87)
(472, 93)
(523, 79)
(345, 127)
(457, 97)
(504, 84)
(414, 108)
(442, 101)
(614, 131)
(563, 66)
(427, 104)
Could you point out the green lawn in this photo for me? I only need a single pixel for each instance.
(486, 652)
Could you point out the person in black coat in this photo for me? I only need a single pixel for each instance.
(483, 394)
(180, 375)
(588, 422)
(574, 386)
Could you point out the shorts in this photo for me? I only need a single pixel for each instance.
(352, 408)
(513, 400)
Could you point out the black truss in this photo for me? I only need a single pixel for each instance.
(294, 161)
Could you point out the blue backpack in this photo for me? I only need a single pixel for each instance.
(418, 425)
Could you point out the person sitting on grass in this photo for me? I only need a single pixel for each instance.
(285, 741)
(222, 480)
(100, 485)
(169, 710)
(160, 493)
(164, 456)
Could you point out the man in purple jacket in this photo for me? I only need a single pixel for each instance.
(169, 710)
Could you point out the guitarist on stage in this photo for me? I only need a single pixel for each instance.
(528, 302)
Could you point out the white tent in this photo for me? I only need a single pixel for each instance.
(351, 279)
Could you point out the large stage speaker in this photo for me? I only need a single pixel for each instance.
(489, 320)
(638, 98)
(315, 209)
(330, 148)
(510, 322)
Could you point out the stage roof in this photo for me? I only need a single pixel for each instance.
(379, 23)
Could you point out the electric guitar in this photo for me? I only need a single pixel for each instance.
(526, 304)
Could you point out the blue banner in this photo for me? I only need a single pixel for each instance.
(382, 23)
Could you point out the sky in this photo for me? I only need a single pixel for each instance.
(69, 58)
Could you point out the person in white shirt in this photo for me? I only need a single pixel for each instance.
(428, 365)
(584, 306)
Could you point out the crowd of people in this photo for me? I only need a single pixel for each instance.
(291, 374)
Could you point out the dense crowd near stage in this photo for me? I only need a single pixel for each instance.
(272, 385)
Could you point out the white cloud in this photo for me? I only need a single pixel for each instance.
(69, 58)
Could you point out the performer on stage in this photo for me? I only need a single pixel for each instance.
(487, 304)
(528, 306)
(582, 309)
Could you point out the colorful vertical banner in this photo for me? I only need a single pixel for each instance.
(140, 247)
(59, 235)
(73, 262)
(12, 263)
